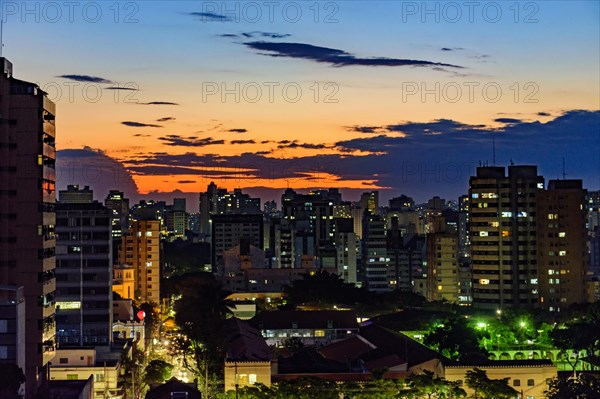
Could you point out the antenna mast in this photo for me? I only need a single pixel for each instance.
(1, 35)
(494, 150)
(564, 175)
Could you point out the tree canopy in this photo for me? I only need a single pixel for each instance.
(486, 388)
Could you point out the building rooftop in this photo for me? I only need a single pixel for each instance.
(173, 385)
(244, 342)
(316, 319)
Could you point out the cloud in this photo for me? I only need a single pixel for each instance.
(238, 130)
(91, 167)
(335, 57)
(192, 141)
(85, 78)
(418, 158)
(543, 114)
(121, 88)
(141, 135)
(297, 144)
(139, 124)
(186, 181)
(508, 120)
(364, 129)
(159, 103)
(451, 48)
(242, 142)
(210, 17)
(249, 35)
(165, 119)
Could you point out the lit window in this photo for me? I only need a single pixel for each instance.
(562, 253)
(506, 214)
(484, 281)
(252, 379)
(562, 234)
(483, 234)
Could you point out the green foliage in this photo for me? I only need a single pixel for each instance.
(321, 288)
(157, 372)
(200, 314)
(454, 338)
(580, 334)
(424, 385)
(427, 385)
(584, 387)
(11, 378)
(486, 388)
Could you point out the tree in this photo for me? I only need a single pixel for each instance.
(321, 288)
(454, 338)
(578, 336)
(157, 372)
(11, 378)
(200, 314)
(486, 388)
(583, 387)
(427, 385)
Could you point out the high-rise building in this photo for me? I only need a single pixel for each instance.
(27, 218)
(402, 203)
(376, 263)
(562, 244)
(346, 247)
(369, 201)
(177, 219)
(503, 228)
(75, 195)
(442, 267)
(119, 206)
(229, 231)
(593, 225)
(464, 236)
(315, 208)
(217, 201)
(83, 271)
(140, 251)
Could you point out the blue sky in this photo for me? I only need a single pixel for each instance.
(370, 54)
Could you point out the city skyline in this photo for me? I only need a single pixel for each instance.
(394, 97)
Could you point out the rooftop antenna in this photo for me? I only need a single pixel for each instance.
(494, 150)
(1, 35)
(564, 174)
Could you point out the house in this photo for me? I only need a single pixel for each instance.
(529, 377)
(248, 358)
(318, 327)
(79, 363)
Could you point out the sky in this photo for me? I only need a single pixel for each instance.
(160, 98)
